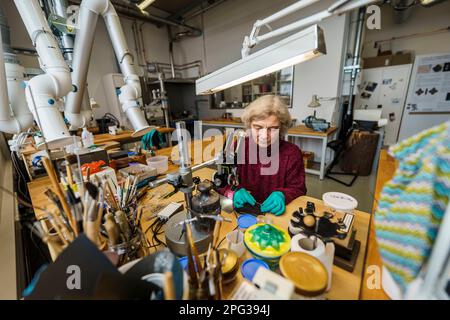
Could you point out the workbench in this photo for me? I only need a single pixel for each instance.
(104, 140)
(123, 137)
(300, 131)
(37, 187)
(223, 123)
(345, 285)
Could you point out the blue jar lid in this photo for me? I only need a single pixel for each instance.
(184, 262)
(246, 221)
(250, 266)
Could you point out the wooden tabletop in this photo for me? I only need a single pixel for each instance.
(37, 187)
(304, 130)
(297, 130)
(124, 136)
(102, 138)
(223, 122)
(345, 285)
(386, 169)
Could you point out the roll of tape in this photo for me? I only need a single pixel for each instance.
(302, 243)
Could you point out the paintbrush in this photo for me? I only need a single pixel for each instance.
(169, 288)
(54, 198)
(88, 174)
(193, 248)
(110, 195)
(112, 229)
(55, 226)
(121, 219)
(216, 233)
(75, 203)
(64, 228)
(91, 212)
(69, 173)
(191, 264)
(91, 193)
(98, 221)
(53, 244)
(59, 192)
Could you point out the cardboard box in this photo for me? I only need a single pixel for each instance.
(308, 158)
(387, 60)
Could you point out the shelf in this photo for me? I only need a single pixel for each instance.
(176, 81)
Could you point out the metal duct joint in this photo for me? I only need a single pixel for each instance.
(402, 10)
(5, 32)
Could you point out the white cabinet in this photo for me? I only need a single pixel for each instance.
(385, 88)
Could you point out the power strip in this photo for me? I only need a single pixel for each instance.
(170, 210)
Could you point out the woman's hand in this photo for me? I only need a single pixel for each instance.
(242, 197)
(274, 203)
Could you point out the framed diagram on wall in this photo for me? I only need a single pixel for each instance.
(430, 81)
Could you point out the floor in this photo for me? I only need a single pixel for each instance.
(362, 189)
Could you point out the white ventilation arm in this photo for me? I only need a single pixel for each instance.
(337, 8)
(21, 119)
(44, 92)
(130, 93)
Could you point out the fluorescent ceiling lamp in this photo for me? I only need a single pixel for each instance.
(144, 4)
(300, 47)
(430, 3)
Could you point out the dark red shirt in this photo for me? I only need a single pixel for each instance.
(290, 178)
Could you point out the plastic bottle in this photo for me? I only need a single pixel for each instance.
(87, 138)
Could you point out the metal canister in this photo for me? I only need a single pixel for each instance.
(205, 203)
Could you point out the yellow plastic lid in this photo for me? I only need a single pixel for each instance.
(308, 274)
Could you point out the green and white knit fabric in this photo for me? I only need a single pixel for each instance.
(413, 203)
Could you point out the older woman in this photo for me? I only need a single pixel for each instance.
(267, 120)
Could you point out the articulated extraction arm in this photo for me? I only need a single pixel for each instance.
(59, 8)
(44, 92)
(18, 117)
(130, 93)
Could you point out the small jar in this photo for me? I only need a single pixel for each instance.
(129, 250)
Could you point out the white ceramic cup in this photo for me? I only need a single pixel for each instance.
(236, 242)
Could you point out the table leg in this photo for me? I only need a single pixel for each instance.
(323, 159)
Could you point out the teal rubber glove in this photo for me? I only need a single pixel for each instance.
(275, 203)
(242, 197)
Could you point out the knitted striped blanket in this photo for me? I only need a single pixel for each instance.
(413, 203)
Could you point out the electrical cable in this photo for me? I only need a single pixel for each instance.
(33, 240)
(20, 177)
(110, 116)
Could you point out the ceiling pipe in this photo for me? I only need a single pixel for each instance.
(203, 10)
(402, 9)
(133, 12)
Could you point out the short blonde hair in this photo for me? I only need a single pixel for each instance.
(266, 106)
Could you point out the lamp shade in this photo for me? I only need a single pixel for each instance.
(314, 102)
(297, 48)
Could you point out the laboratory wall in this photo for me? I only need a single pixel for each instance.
(225, 27)
(422, 20)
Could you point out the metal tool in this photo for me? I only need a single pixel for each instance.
(198, 208)
(316, 124)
